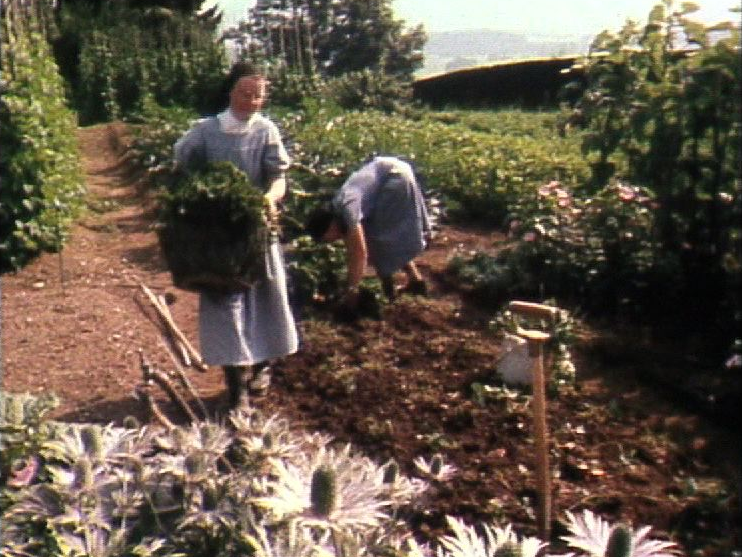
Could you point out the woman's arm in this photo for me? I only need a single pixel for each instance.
(190, 147)
(276, 192)
(355, 242)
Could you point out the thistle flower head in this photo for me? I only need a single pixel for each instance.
(391, 472)
(92, 441)
(327, 489)
(597, 538)
(495, 542)
(435, 469)
(323, 491)
(619, 542)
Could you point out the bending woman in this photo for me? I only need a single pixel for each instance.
(380, 212)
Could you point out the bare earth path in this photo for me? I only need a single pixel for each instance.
(401, 387)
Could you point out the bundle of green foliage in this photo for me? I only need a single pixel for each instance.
(213, 231)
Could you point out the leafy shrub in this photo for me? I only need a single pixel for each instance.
(598, 252)
(23, 428)
(478, 174)
(661, 109)
(156, 130)
(367, 89)
(170, 57)
(42, 187)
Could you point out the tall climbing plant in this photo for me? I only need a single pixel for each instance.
(42, 188)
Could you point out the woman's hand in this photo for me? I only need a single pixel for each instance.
(271, 209)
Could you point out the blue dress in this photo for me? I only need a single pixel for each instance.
(255, 325)
(384, 197)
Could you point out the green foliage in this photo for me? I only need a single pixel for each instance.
(662, 110)
(170, 57)
(479, 173)
(317, 269)
(367, 89)
(212, 229)
(42, 189)
(157, 131)
(597, 252)
(23, 427)
(331, 38)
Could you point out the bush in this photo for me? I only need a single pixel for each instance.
(42, 187)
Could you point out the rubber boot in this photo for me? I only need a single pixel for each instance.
(261, 380)
(387, 286)
(416, 287)
(234, 377)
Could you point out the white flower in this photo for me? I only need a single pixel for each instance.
(467, 543)
(591, 534)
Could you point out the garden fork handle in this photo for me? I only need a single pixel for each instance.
(530, 309)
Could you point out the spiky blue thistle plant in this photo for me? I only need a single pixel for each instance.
(619, 542)
(391, 472)
(436, 469)
(597, 538)
(323, 491)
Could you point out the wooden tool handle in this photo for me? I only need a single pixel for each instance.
(530, 309)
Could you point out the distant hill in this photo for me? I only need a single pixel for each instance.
(453, 50)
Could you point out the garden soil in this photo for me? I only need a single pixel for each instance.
(412, 384)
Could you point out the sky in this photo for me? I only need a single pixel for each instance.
(555, 17)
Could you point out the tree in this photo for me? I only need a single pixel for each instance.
(336, 36)
(183, 6)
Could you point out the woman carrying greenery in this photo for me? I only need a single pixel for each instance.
(244, 331)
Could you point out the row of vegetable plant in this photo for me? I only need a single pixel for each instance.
(42, 188)
(170, 57)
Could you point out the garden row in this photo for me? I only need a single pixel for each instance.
(42, 188)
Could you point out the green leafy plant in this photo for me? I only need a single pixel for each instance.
(23, 429)
(169, 57)
(213, 229)
(42, 188)
(661, 109)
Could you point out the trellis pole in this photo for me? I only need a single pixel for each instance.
(535, 341)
